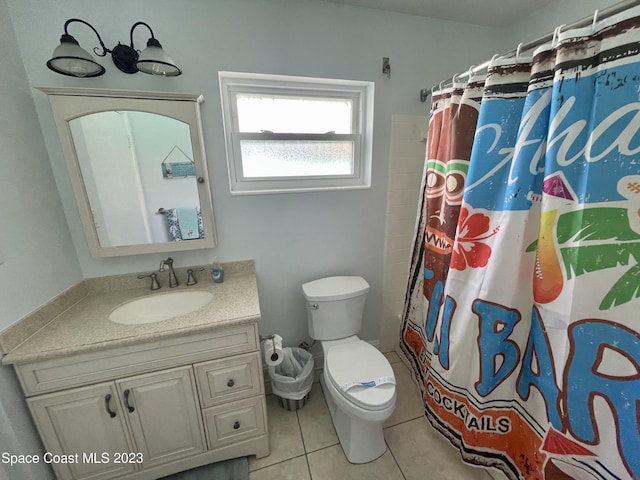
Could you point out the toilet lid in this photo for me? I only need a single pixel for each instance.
(335, 288)
(360, 362)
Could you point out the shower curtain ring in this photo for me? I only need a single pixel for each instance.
(556, 34)
(455, 77)
(595, 20)
(518, 51)
(471, 74)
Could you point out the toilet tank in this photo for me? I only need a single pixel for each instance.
(335, 306)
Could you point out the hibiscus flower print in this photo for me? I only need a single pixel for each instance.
(469, 249)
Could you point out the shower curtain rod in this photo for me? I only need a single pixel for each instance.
(598, 15)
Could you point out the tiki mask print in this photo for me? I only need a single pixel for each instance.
(452, 127)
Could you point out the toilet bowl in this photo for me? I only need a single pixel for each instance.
(359, 412)
(358, 381)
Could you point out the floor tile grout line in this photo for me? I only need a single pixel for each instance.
(323, 447)
(304, 445)
(395, 459)
(485, 470)
(324, 400)
(306, 457)
(277, 463)
(405, 421)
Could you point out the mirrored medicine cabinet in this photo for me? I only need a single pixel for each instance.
(137, 166)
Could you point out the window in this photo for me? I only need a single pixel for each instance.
(287, 134)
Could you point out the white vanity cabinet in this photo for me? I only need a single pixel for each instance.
(150, 410)
(163, 414)
(160, 410)
(75, 422)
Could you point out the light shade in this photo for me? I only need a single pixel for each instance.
(70, 59)
(154, 61)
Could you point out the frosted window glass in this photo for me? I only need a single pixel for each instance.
(290, 114)
(287, 158)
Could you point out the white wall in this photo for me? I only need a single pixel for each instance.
(406, 167)
(294, 238)
(39, 259)
(560, 12)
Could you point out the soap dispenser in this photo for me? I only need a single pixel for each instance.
(217, 272)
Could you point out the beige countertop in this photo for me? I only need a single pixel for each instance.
(85, 326)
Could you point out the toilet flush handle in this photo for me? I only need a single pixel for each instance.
(314, 306)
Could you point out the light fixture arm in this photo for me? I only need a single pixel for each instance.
(69, 37)
(134, 27)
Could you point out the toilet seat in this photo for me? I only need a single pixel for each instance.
(359, 361)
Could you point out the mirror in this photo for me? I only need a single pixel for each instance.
(137, 167)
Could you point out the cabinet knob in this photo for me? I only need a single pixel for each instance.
(236, 425)
(107, 399)
(231, 383)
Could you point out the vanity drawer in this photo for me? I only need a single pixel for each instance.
(231, 423)
(228, 379)
(87, 368)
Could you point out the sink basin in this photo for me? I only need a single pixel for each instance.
(155, 308)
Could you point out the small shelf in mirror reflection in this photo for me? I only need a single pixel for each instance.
(111, 142)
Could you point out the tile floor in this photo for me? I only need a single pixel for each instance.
(304, 445)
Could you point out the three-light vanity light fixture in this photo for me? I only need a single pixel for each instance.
(70, 59)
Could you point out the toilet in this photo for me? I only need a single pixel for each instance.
(358, 382)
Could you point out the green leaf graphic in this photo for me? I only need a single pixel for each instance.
(624, 290)
(591, 258)
(575, 229)
(579, 235)
(592, 224)
(595, 224)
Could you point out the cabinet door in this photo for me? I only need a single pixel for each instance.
(164, 414)
(86, 425)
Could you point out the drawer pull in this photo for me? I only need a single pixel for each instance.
(107, 399)
(236, 425)
(231, 383)
(126, 401)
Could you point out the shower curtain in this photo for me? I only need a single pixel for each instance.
(522, 313)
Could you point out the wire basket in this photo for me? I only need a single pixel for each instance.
(293, 405)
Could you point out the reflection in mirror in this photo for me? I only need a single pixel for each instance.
(137, 168)
(127, 161)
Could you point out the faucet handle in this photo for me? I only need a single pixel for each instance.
(167, 262)
(154, 280)
(191, 278)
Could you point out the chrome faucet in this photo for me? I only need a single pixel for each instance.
(173, 281)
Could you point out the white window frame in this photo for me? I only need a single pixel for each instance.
(361, 93)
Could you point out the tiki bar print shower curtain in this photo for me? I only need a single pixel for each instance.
(522, 318)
